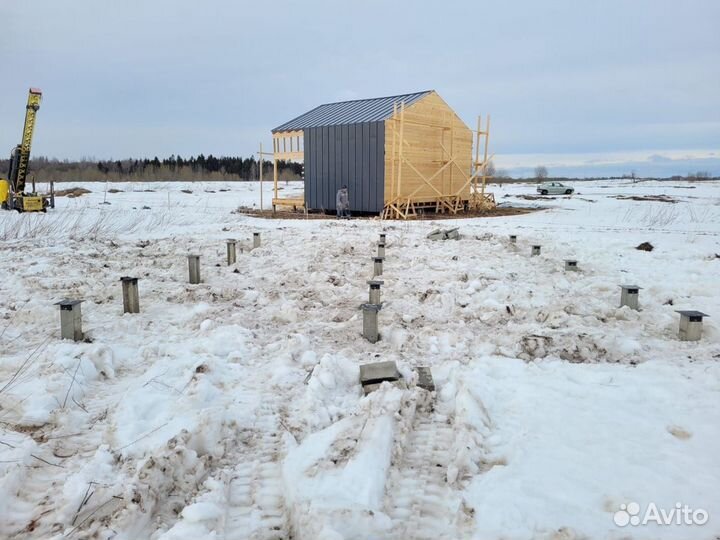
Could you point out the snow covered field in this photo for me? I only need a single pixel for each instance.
(232, 409)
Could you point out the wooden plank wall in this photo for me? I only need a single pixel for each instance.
(424, 133)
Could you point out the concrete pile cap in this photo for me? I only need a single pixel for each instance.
(256, 234)
(193, 256)
(127, 278)
(378, 372)
(67, 303)
(691, 313)
(375, 282)
(425, 379)
(571, 260)
(231, 241)
(370, 307)
(630, 287)
(378, 259)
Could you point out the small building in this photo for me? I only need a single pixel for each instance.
(395, 154)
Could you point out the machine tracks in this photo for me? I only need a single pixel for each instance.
(254, 487)
(418, 498)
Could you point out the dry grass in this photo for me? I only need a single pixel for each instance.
(83, 224)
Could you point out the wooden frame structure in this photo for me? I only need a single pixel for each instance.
(428, 163)
(419, 152)
(289, 146)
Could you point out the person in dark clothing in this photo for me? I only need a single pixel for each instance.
(342, 203)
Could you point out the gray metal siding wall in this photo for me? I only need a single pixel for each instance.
(346, 154)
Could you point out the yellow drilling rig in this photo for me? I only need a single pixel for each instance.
(12, 190)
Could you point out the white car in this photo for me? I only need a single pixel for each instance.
(554, 188)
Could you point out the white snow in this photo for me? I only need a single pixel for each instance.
(232, 409)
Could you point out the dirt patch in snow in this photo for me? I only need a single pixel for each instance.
(72, 192)
(533, 197)
(679, 432)
(286, 214)
(657, 198)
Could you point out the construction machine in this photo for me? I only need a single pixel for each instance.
(12, 190)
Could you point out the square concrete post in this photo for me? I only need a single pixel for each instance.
(571, 265)
(131, 295)
(194, 268)
(691, 325)
(381, 250)
(256, 240)
(377, 266)
(231, 251)
(70, 320)
(535, 251)
(374, 295)
(383, 238)
(425, 378)
(629, 296)
(513, 239)
(370, 322)
(373, 375)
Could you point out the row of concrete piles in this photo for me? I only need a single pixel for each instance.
(690, 328)
(71, 312)
(690, 320)
(374, 304)
(373, 375)
(231, 248)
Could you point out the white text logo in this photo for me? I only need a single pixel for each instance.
(680, 514)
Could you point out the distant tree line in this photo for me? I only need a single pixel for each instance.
(173, 168)
(229, 168)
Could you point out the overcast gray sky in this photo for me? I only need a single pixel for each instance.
(127, 78)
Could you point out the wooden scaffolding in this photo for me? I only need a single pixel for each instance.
(417, 177)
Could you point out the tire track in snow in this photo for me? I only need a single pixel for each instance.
(418, 498)
(254, 487)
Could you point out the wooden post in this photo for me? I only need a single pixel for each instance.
(275, 175)
(477, 158)
(392, 158)
(452, 156)
(400, 149)
(485, 158)
(260, 155)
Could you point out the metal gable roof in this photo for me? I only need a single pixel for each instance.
(350, 112)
